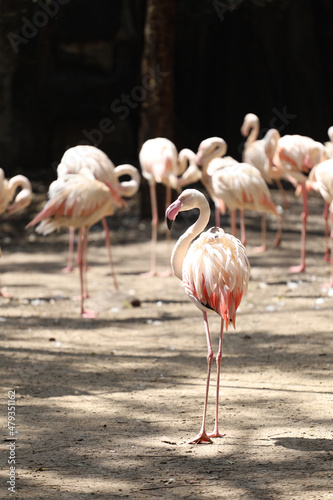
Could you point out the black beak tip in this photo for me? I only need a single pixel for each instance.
(169, 223)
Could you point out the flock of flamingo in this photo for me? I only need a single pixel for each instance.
(212, 264)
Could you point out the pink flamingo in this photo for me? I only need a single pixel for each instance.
(8, 188)
(89, 157)
(78, 201)
(160, 164)
(321, 180)
(215, 272)
(259, 152)
(294, 157)
(238, 185)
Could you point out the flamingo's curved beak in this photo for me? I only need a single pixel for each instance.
(171, 212)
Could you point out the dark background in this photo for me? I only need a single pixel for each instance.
(273, 58)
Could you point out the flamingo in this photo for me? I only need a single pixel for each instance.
(78, 201)
(160, 164)
(294, 157)
(8, 188)
(84, 156)
(215, 272)
(238, 185)
(259, 152)
(321, 180)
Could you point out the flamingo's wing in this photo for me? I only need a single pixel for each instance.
(216, 272)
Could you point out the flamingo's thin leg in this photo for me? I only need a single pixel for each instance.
(216, 432)
(202, 437)
(108, 246)
(301, 267)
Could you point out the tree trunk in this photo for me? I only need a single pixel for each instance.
(157, 111)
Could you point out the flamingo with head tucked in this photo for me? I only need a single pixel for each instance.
(294, 157)
(89, 157)
(78, 201)
(215, 272)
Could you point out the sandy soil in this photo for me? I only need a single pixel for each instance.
(105, 407)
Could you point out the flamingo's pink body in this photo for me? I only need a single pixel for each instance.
(8, 188)
(294, 157)
(215, 272)
(99, 164)
(238, 185)
(160, 163)
(321, 180)
(78, 201)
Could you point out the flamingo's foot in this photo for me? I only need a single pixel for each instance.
(327, 256)
(328, 285)
(216, 434)
(5, 295)
(297, 269)
(260, 249)
(202, 437)
(80, 297)
(149, 274)
(67, 269)
(165, 274)
(88, 314)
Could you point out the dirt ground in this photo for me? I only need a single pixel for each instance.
(105, 406)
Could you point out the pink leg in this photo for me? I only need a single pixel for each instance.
(168, 271)
(154, 226)
(202, 437)
(69, 266)
(216, 432)
(301, 267)
(81, 261)
(108, 246)
(285, 198)
(263, 246)
(327, 249)
(233, 222)
(242, 227)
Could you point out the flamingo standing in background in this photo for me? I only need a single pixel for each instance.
(89, 157)
(8, 188)
(215, 273)
(321, 180)
(295, 156)
(160, 164)
(260, 152)
(78, 201)
(238, 185)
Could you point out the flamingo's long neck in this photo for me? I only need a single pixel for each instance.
(207, 158)
(253, 135)
(181, 247)
(128, 188)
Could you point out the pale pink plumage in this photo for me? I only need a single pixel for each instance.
(238, 185)
(321, 180)
(78, 201)
(99, 164)
(160, 163)
(8, 190)
(294, 157)
(215, 272)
